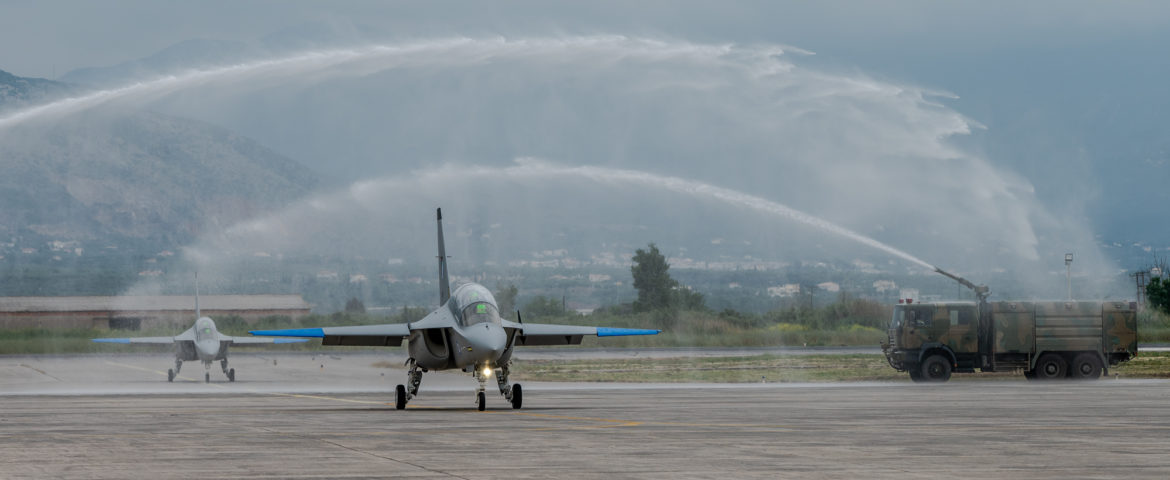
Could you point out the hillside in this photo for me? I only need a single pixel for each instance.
(111, 178)
(17, 91)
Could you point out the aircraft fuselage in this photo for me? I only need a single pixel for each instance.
(207, 347)
(476, 339)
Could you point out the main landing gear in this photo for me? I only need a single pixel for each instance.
(514, 394)
(230, 372)
(404, 393)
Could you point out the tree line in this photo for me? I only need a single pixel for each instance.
(663, 298)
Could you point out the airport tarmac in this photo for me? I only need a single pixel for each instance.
(331, 417)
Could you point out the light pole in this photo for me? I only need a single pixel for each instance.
(1068, 272)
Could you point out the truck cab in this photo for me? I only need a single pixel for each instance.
(918, 331)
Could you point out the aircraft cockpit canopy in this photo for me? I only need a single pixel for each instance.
(477, 304)
(204, 329)
(481, 312)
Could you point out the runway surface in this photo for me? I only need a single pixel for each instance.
(329, 417)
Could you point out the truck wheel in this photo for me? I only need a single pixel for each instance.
(936, 368)
(1085, 366)
(1050, 366)
(916, 374)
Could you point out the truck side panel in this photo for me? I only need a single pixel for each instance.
(1071, 334)
(1068, 327)
(1119, 332)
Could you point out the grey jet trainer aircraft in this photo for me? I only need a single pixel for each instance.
(201, 342)
(465, 333)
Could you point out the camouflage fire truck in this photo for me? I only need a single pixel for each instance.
(1044, 340)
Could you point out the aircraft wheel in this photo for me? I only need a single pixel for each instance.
(517, 396)
(482, 400)
(170, 374)
(231, 374)
(206, 378)
(400, 398)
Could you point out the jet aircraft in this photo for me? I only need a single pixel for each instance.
(465, 333)
(201, 342)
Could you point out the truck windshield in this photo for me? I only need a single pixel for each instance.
(896, 322)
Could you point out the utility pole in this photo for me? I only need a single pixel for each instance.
(1140, 277)
(1068, 272)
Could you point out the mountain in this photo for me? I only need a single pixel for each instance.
(16, 92)
(110, 178)
(186, 55)
(201, 53)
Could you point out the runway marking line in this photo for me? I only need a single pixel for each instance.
(319, 397)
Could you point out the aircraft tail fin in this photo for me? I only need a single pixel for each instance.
(198, 315)
(444, 280)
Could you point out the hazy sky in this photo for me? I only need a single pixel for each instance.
(40, 38)
(1059, 108)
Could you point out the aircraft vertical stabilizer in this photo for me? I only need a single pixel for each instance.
(197, 312)
(444, 281)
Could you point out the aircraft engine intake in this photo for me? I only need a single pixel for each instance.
(429, 349)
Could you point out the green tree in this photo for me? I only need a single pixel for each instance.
(355, 306)
(1158, 294)
(652, 280)
(688, 299)
(411, 314)
(543, 306)
(506, 299)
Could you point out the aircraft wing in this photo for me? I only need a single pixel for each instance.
(236, 341)
(138, 340)
(547, 334)
(388, 335)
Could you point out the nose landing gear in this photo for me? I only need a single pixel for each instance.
(481, 376)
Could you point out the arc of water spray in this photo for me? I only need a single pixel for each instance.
(529, 167)
(471, 50)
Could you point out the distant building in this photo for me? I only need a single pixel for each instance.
(132, 312)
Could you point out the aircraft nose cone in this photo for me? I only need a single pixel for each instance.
(488, 339)
(208, 348)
